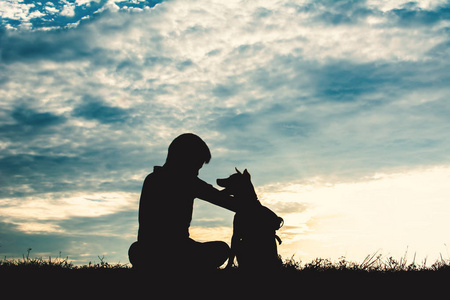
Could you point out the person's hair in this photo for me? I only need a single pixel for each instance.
(188, 147)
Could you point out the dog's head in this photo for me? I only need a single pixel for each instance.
(238, 184)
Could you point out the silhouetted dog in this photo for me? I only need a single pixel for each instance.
(254, 225)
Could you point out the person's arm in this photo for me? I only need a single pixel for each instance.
(209, 193)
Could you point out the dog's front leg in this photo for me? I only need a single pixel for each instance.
(230, 261)
(232, 253)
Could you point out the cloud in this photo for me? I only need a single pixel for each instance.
(57, 14)
(50, 45)
(120, 224)
(28, 117)
(27, 123)
(289, 207)
(79, 248)
(95, 109)
(79, 226)
(411, 14)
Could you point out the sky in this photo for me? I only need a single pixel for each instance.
(338, 109)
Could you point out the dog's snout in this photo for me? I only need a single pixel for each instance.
(221, 182)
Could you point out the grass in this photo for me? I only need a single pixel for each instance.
(374, 263)
(374, 274)
(55, 264)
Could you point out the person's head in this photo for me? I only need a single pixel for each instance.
(188, 152)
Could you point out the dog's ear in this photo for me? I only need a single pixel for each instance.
(246, 173)
(239, 172)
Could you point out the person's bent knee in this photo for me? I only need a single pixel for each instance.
(136, 255)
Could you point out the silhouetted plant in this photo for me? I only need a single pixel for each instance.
(374, 263)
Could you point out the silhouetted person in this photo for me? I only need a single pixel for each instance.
(165, 211)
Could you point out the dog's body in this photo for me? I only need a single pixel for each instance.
(254, 225)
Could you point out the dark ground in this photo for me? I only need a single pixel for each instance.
(374, 278)
(314, 281)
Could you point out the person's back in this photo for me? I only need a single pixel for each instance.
(165, 208)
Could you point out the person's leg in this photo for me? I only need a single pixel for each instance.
(208, 255)
(148, 258)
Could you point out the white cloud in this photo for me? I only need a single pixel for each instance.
(68, 10)
(31, 227)
(110, 5)
(59, 206)
(15, 10)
